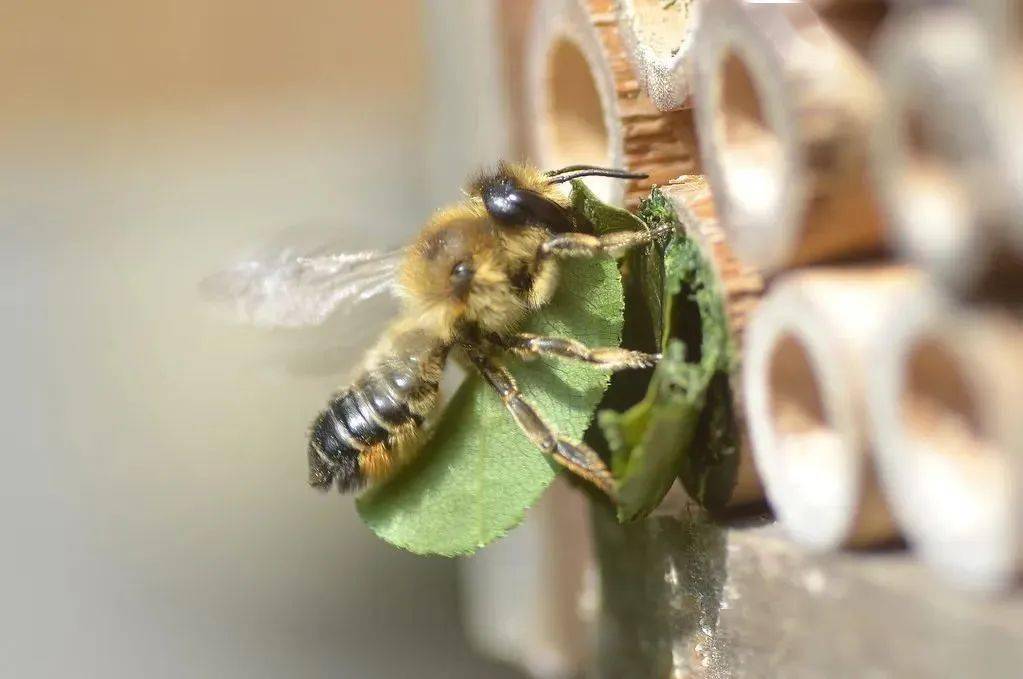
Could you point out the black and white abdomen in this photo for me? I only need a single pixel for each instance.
(361, 435)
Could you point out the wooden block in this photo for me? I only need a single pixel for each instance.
(682, 596)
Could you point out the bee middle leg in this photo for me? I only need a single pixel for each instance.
(527, 345)
(614, 244)
(578, 458)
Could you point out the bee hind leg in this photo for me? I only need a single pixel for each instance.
(527, 345)
(614, 244)
(578, 458)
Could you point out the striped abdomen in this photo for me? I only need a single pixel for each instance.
(358, 438)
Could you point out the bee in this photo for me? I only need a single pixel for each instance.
(466, 283)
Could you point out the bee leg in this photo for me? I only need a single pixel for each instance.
(614, 244)
(578, 458)
(612, 358)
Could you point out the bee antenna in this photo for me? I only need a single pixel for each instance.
(576, 168)
(578, 171)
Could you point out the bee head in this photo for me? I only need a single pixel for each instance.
(518, 195)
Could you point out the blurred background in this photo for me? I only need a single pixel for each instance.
(155, 508)
(155, 503)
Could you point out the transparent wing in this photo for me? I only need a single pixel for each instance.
(292, 289)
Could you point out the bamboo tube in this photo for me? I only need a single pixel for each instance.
(661, 144)
(783, 110)
(804, 371)
(947, 155)
(659, 39)
(946, 402)
(571, 90)
(588, 107)
(740, 288)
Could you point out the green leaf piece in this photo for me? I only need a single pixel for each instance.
(710, 466)
(604, 218)
(683, 426)
(477, 475)
(644, 265)
(651, 437)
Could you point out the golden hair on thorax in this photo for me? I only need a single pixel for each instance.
(467, 283)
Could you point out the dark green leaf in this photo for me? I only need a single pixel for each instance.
(681, 427)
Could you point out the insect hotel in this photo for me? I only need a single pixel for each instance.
(851, 176)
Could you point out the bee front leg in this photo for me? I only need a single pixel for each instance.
(578, 458)
(527, 345)
(614, 244)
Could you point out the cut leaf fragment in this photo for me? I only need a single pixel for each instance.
(683, 427)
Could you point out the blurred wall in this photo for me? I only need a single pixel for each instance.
(154, 501)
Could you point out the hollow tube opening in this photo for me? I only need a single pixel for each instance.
(796, 404)
(752, 158)
(937, 408)
(576, 119)
(936, 206)
(817, 497)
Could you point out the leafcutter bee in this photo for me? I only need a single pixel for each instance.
(468, 280)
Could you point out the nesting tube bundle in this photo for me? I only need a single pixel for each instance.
(853, 152)
(948, 150)
(783, 112)
(945, 390)
(805, 368)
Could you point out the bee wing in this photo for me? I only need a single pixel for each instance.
(292, 289)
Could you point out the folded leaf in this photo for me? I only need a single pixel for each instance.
(680, 428)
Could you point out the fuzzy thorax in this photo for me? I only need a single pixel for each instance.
(464, 270)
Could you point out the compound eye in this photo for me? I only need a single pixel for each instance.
(512, 205)
(461, 271)
(461, 277)
(503, 202)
